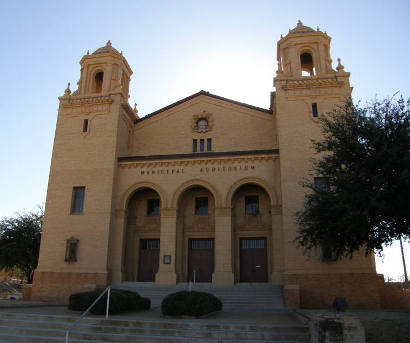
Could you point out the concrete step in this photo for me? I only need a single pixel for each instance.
(127, 335)
(241, 297)
(43, 339)
(22, 327)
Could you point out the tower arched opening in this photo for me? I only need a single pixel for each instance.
(306, 64)
(98, 82)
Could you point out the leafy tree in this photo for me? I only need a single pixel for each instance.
(20, 242)
(362, 198)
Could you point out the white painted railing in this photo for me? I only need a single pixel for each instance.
(71, 327)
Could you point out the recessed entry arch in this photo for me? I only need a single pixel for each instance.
(141, 185)
(252, 181)
(195, 231)
(195, 183)
(251, 200)
(141, 244)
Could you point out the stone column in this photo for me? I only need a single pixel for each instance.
(107, 80)
(294, 61)
(223, 272)
(166, 272)
(277, 245)
(117, 247)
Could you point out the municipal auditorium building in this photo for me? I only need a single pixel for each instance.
(204, 188)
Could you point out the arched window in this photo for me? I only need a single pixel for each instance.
(306, 64)
(98, 82)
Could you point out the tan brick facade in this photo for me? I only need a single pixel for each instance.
(247, 162)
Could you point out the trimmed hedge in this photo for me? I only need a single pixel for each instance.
(120, 301)
(193, 303)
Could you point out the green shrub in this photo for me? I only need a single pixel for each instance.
(120, 301)
(193, 303)
(144, 304)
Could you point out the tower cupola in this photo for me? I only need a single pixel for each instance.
(304, 52)
(104, 71)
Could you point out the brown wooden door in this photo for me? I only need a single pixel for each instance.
(149, 259)
(201, 260)
(253, 260)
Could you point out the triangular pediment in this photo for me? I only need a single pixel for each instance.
(205, 94)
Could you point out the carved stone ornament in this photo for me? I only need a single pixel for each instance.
(71, 250)
(202, 122)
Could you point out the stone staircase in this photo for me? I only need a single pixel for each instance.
(37, 328)
(242, 297)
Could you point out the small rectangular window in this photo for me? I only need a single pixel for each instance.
(149, 244)
(201, 145)
(252, 205)
(209, 144)
(85, 125)
(201, 206)
(195, 145)
(314, 110)
(153, 207)
(77, 202)
(253, 243)
(201, 243)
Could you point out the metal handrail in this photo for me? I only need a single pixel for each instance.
(70, 328)
(190, 282)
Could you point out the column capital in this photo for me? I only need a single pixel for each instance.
(222, 211)
(168, 212)
(276, 209)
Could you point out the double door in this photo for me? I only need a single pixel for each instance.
(200, 259)
(148, 259)
(253, 260)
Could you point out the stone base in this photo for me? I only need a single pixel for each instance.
(319, 290)
(393, 296)
(291, 295)
(166, 278)
(27, 292)
(223, 279)
(58, 286)
(333, 329)
(277, 278)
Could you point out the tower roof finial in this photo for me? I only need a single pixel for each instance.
(299, 23)
(67, 90)
(108, 43)
(340, 68)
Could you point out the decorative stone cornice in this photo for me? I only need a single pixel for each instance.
(207, 161)
(83, 105)
(313, 82)
(127, 109)
(69, 101)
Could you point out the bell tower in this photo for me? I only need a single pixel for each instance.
(94, 126)
(307, 87)
(304, 52)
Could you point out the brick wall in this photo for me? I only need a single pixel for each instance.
(361, 290)
(58, 286)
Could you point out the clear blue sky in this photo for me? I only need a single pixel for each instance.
(175, 48)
